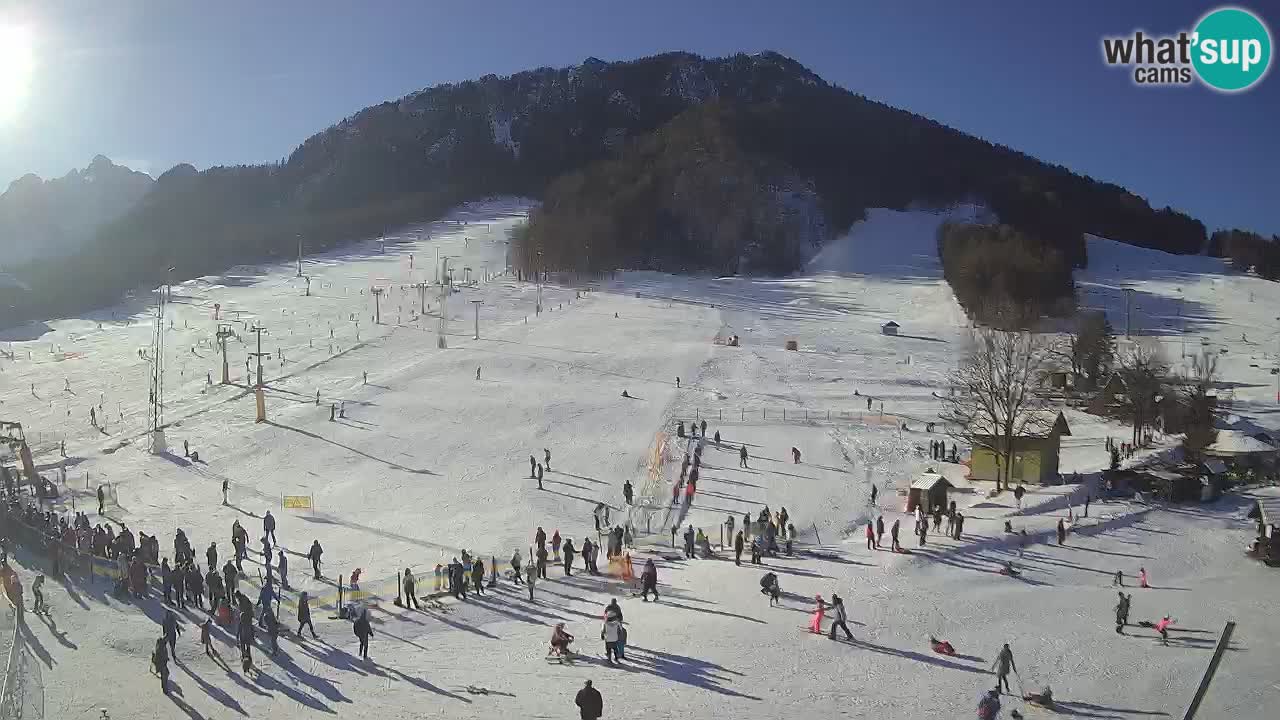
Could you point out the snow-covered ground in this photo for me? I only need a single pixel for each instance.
(429, 459)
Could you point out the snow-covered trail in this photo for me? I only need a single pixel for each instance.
(428, 459)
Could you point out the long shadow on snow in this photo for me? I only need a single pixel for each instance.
(918, 657)
(685, 670)
(214, 691)
(1089, 710)
(361, 453)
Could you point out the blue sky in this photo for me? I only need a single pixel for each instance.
(155, 83)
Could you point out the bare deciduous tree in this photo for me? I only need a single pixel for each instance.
(1143, 369)
(1088, 347)
(1198, 425)
(994, 398)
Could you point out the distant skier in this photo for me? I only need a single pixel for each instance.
(677, 381)
(874, 492)
(539, 476)
(795, 455)
(533, 468)
(742, 456)
(477, 373)
(546, 458)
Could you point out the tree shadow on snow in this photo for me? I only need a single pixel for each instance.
(1089, 710)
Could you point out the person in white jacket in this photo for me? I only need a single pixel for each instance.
(610, 633)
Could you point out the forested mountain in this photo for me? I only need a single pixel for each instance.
(673, 161)
(53, 218)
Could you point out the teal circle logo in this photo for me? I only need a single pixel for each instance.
(1231, 49)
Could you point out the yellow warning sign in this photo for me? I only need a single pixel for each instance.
(297, 502)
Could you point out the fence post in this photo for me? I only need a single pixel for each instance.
(784, 414)
(722, 414)
(744, 415)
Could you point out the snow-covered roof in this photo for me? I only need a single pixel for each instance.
(891, 324)
(1232, 443)
(929, 480)
(1268, 509)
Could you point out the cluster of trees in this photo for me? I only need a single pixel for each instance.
(1088, 347)
(1004, 277)
(686, 197)
(1248, 251)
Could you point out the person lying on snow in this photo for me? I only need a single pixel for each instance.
(942, 647)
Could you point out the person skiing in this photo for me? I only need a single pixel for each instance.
(314, 555)
(410, 596)
(539, 476)
(1002, 665)
(533, 468)
(1062, 531)
(546, 458)
(837, 606)
(363, 630)
(649, 581)
(819, 612)
(568, 557)
(590, 704)
(555, 545)
(1162, 627)
(742, 456)
(737, 549)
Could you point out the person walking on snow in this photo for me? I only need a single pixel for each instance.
(874, 493)
(1142, 578)
(1002, 665)
(837, 606)
(171, 630)
(533, 468)
(304, 615)
(515, 566)
(555, 545)
(1062, 531)
(269, 527)
(1122, 612)
(795, 455)
(531, 578)
(590, 704)
(649, 581)
(363, 631)
(626, 491)
(1162, 627)
(737, 549)
(284, 568)
(871, 536)
(477, 575)
(742, 456)
(539, 476)
(314, 555)
(568, 557)
(546, 458)
(410, 587)
(893, 537)
(879, 530)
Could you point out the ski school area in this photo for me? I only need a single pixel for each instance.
(404, 424)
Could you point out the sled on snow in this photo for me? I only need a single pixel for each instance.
(942, 647)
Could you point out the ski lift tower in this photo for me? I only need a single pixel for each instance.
(442, 328)
(155, 399)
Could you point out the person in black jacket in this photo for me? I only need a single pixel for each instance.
(568, 557)
(737, 548)
(363, 630)
(589, 702)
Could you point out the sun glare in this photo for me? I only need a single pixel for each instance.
(17, 61)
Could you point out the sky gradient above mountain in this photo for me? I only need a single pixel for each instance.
(152, 84)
